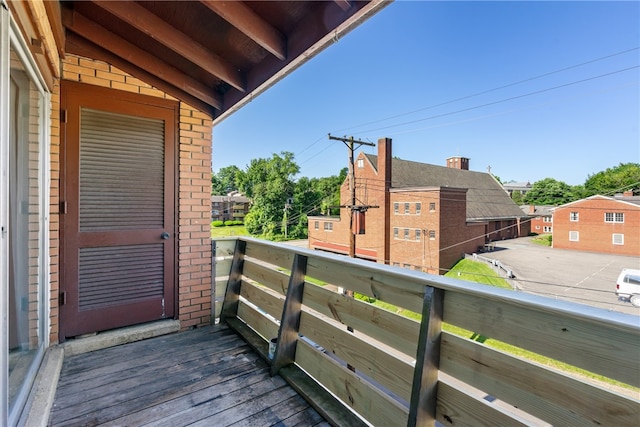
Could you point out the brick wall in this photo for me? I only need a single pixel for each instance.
(194, 191)
(594, 234)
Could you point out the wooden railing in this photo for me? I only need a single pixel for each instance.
(391, 370)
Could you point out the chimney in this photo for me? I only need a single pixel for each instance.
(532, 209)
(458, 163)
(384, 174)
(384, 162)
(628, 193)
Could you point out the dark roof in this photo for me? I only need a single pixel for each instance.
(486, 199)
(213, 55)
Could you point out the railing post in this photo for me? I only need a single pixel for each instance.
(422, 409)
(232, 294)
(285, 353)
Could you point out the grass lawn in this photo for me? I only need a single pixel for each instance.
(229, 231)
(479, 272)
(543, 240)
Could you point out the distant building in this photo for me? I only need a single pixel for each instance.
(517, 187)
(232, 207)
(599, 224)
(541, 217)
(419, 216)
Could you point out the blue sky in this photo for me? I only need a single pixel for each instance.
(533, 89)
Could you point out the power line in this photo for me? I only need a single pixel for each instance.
(492, 90)
(503, 100)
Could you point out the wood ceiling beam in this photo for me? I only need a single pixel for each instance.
(78, 45)
(100, 36)
(251, 24)
(343, 4)
(161, 31)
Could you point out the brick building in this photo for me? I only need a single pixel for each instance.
(420, 216)
(599, 224)
(541, 218)
(232, 207)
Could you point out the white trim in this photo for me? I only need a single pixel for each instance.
(613, 239)
(4, 211)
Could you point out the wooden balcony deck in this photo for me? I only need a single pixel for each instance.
(204, 377)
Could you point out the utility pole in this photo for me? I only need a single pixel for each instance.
(350, 143)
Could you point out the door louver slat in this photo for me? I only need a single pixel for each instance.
(106, 279)
(121, 172)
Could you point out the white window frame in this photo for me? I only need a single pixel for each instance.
(418, 231)
(406, 234)
(615, 217)
(328, 226)
(547, 229)
(360, 163)
(396, 208)
(432, 206)
(574, 236)
(617, 239)
(407, 208)
(11, 38)
(574, 216)
(418, 208)
(396, 232)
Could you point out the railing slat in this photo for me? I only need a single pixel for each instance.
(269, 301)
(273, 279)
(456, 408)
(389, 328)
(358, 351)
(542, 392)
(370, 402)
(374, 282)
(257, 321)
(580, 342)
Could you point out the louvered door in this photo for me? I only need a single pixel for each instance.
(118, 229)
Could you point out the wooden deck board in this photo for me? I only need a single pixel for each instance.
(205, 377)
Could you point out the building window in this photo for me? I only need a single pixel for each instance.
(418, 208)
(573, 216)
(328, 226)
(395, 232)
(574, 236)
(360, 163)
(614, 217)
(432, 234)
(537, 227)
(547, 219)
(406, 234)
(547, 229)
(432, 207)
(406, 208)
(396, 207)
(407, 266)
(316, 225)
(418, 235)
(617, 239)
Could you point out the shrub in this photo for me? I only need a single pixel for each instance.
(229, 223)
(217, 223)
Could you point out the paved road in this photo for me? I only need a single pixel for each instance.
(583, 277)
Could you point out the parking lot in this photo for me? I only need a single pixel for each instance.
(583, 277)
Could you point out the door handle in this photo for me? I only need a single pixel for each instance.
(165, 235)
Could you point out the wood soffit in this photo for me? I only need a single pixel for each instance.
(214, 55)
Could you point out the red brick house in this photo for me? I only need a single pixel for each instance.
(599, 224)
(420, 216)
(232, 207)
(541, 218)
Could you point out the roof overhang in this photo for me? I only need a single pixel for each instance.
(214, 55)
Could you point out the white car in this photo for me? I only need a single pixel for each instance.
(628, 286)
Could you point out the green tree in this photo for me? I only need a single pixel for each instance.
(517, 198)
(613, 180)
(226, 180)
(549, 191)
(269, 183)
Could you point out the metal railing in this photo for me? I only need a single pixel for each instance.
(394, 370)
